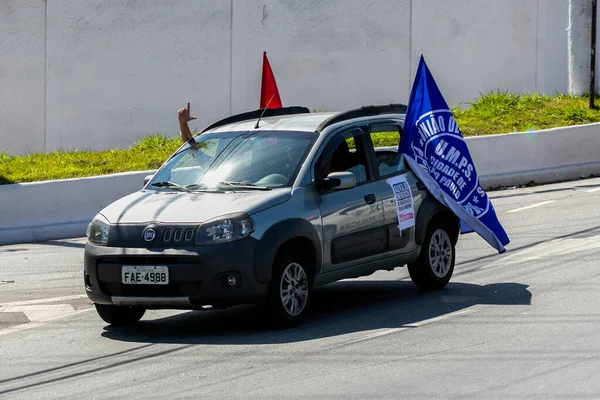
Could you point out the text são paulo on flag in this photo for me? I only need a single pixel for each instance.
(435, 150)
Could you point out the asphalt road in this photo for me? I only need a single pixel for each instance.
(525, 324)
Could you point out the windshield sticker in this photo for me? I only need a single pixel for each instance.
(404, 201)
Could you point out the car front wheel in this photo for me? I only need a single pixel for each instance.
(435, 265)
(290, 291)
(119, 315)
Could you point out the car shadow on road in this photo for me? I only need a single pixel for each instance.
(338, 309)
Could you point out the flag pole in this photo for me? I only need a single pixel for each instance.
(593, 57)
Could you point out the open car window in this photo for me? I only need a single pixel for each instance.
(344, 152)
(385, 140)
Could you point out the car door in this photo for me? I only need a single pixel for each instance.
(352, 218)
(383, 141)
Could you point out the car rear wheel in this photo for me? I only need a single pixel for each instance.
(120, 315)
(290, 290)
(435, 265)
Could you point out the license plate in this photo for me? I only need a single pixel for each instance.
(145, 275)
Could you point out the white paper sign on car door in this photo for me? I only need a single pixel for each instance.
(404, 201)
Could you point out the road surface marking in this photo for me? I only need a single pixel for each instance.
(47, 300)
(552, 248)
(390, 331)
(593, 190)
(30, 325)
(39, 315)
(543, 203)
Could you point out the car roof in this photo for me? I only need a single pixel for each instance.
(308, 122)
(305, 122)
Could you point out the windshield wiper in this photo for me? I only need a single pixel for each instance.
(170, 184)
(196, 186)
(201, 187)
(243, 185)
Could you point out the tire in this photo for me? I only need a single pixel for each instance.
(435, 264)
(290, 290)
(120, 315)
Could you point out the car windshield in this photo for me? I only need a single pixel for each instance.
(259, 160)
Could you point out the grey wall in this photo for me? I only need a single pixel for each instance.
(99, 74)
(22, 75)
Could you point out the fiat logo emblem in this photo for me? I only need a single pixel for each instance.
(149, 234)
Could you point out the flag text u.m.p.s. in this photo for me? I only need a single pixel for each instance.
(437, 153)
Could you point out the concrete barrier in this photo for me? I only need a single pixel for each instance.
(544, 156)
(31, 212)
(38, 211)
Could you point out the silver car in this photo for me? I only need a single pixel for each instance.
(264, 207)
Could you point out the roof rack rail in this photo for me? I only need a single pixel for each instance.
(365, 111)
(269, 112)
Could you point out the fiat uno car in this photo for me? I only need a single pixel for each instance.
(262, 208)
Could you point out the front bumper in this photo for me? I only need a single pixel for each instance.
(197, 276)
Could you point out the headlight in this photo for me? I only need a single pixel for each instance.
(225, 229)
(98, 229)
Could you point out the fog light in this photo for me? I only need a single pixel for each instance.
(88, 281)
(231, 280)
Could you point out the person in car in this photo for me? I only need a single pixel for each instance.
(198, 158)
(340, 160)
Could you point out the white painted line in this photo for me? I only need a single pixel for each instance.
(593, 190)
(40, 312)
(548, 250)
(31, 325)
(47, 300)
(543, 203)
(390, 331)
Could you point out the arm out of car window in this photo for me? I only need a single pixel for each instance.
(184, 117)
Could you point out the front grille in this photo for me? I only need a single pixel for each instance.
(153, 236)
(170, 290)
(152, 260)
(177, 235)
(185, 276)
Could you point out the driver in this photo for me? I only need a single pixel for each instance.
(339, 160)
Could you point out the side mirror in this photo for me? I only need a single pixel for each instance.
(147, 179)
(338, 181)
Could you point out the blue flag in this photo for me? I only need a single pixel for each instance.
(437, 153)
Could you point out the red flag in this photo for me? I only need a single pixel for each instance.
(269, 94)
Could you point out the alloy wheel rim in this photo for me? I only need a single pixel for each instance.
(440, 253)
(293, 289)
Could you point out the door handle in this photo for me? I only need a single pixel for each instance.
(370, 198)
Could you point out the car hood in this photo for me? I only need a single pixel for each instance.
(181, 207)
